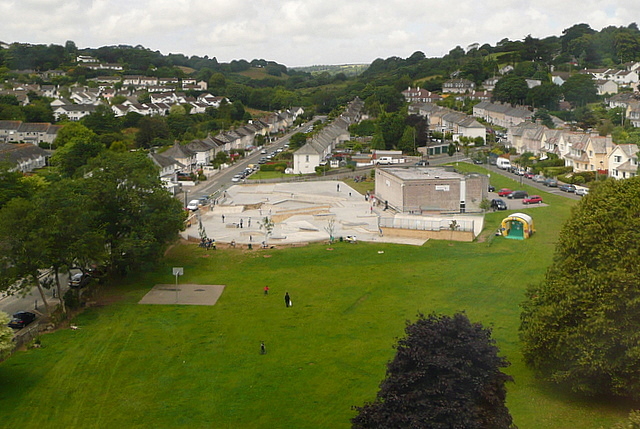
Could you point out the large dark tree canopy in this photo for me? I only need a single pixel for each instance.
(580, 326)
(446, 374)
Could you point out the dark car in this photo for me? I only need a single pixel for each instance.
(567, 188)
(504, 192)
(552, 183)
(79, 280)
(21, 319)
(491, 188)
(498, 204)
(422, 163)
(533, 199)
(517, 195)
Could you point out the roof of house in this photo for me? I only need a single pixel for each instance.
(15, 153)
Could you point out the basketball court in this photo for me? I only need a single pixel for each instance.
(183, 294)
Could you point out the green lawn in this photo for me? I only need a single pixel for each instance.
(130, 365)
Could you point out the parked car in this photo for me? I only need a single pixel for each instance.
(533, 199)
(193, 205)
(539, 178)
(478, 161)
(491, 188)
(582, 191)
(498, 204)
(528, 175)
(422, 163)
(567, 188)
(79, 280)
(504, 192)
(21, 319)
(516, 195)
(552, 183)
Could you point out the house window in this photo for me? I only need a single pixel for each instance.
(617, 158)
(306, 158)
(590, 153)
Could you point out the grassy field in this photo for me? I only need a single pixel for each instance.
(131, 365)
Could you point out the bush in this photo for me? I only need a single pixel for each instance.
(71, 299)
(273, 166)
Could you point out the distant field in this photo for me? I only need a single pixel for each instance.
(131, 365)
(260, 73)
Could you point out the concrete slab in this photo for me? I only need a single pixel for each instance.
(183, 294)
(302, 213)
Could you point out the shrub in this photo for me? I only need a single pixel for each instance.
(273, 166)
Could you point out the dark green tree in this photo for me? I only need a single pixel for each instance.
(139, 217)
(579, 327)
(446, 374)
(580, 89)
(77, 150)
(297, 140)
(511, 89)
(149, 129)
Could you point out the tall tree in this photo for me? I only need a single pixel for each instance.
(139, 217)
(511, 89)
(580, 89)
(580, 326)
(446, 374)
(22, 253)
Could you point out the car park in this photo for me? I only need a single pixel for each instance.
(21, 319)
(193, 205)
(552, 183)
(504, 192)
(567, 188)
(517, 195)
(79, 280)
(533, 199)
(498, 204)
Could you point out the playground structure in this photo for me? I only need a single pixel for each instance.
(517, 226)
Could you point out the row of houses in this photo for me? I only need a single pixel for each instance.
(318, 148)
(450, 121)
(579, 150)
(200, 152)
(33, 133)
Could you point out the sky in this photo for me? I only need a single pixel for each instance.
(301, 32)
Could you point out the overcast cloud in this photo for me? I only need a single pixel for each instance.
(301, 32)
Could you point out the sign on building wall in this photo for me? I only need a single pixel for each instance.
(444, 188)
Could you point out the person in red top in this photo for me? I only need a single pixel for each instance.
(266, 290)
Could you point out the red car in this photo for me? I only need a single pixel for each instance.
(504, 192)
(533, 199)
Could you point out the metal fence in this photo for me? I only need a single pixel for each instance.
(428, 224)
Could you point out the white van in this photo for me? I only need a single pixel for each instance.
(503, 163)
(385, 160)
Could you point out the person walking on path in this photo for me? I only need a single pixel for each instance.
(222, 218)
(338, 187)
(240, 223)
(287, 299)
(266, 290)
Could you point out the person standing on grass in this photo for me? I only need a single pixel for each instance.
(287, 299)
(266, 290)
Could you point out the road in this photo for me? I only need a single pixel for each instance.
(495, 170)
(32, 301)
(222, 179)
